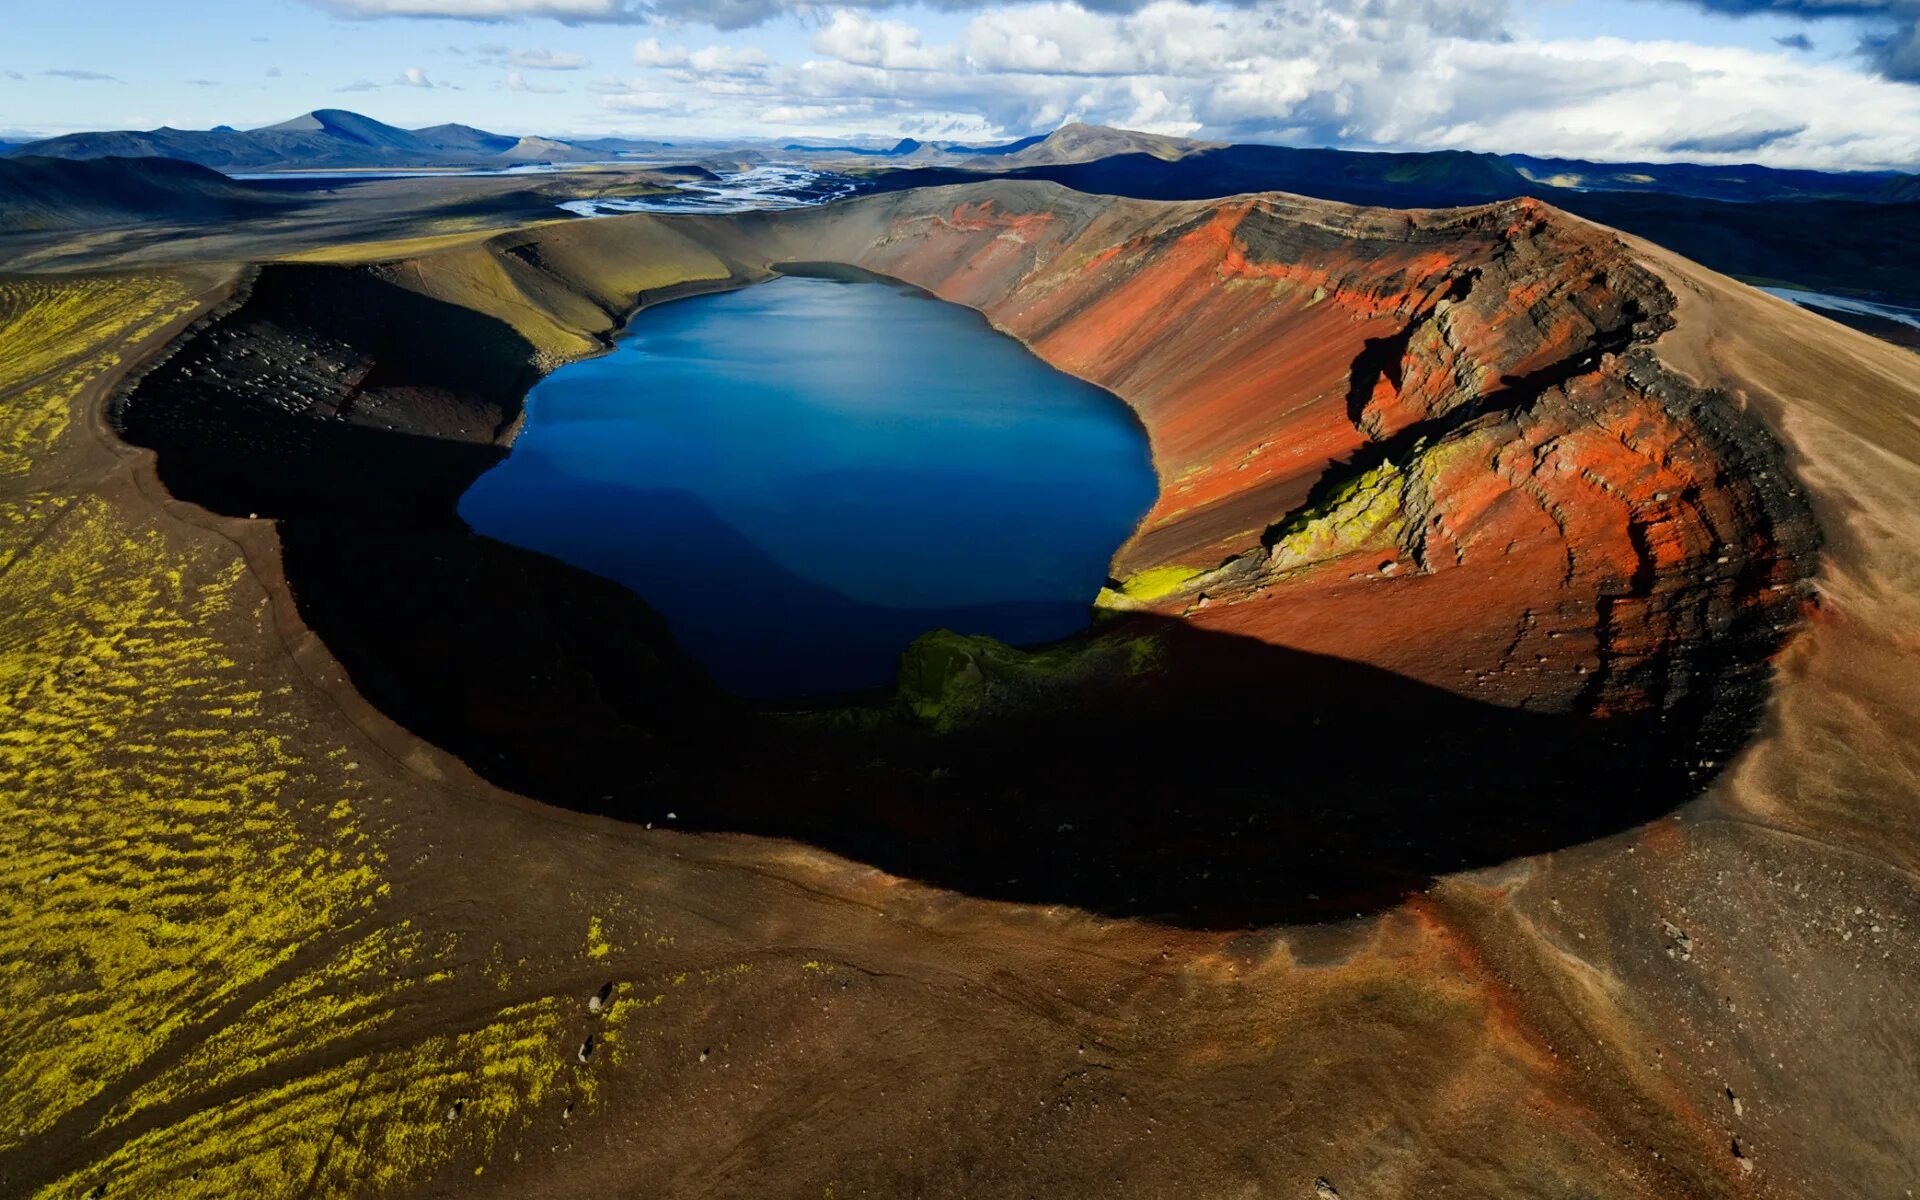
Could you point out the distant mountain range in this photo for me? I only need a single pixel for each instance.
(1416, 180)
(326, 138)
(1097, 159)
(1090, 158)
(913, 147)
(1069, 143)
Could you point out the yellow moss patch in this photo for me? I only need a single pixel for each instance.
(55, 338)
(1367, 512)
(1149, 585)
(446, 236)
(148, 872)
(200, 993)
(370, 1124)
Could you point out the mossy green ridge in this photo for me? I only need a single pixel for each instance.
(950, 680)
(1367, 511)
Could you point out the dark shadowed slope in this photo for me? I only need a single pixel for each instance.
(1430, 180)
(52, 193)
(1747, 182)
(1902, 189)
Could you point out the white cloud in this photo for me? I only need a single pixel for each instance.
(648, 52)
(728, 60)
(537, 59)
(517, 82)
(725, 62)
(651, 103)
(1391, 74)
(492, 10)
(808, 114)
(856, 38)
(414, 77)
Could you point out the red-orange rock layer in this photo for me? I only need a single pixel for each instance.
(1558, 522)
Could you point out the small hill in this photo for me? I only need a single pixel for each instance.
(454, 139)
(54, 193)
(547, 150)
(1077, 143)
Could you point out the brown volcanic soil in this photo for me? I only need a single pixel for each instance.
(1546, 430)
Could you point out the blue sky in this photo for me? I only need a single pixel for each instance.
(1787, 82)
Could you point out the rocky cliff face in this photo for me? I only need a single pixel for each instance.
(1436, 443)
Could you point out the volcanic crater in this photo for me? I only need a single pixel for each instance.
(1447, 567)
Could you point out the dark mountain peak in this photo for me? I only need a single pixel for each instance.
(308, 122)
(348, 126)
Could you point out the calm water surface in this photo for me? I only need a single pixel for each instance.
(805, 475)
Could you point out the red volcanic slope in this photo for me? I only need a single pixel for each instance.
(1535, 512)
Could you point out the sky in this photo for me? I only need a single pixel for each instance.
(1802, 83)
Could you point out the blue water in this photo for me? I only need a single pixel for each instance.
(805, 475)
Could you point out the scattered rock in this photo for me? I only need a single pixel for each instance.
(1324, 1190)
(599, 999)
(1679, 945)
(586, 1049)
(455, 1109)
